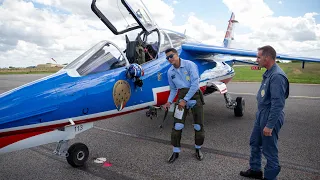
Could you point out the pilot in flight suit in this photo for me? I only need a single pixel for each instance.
(273, 92)
(183, 77)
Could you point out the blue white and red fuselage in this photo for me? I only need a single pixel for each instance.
(47, 104)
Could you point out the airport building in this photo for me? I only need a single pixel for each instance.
(49, 65)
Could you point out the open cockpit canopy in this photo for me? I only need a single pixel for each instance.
(122, 16)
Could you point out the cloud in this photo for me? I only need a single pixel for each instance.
(294, 35)
(31, 33)
(249, 12)
(200, 30)
(34, 31)
(286, 28)
(279, 2)
(175, 2)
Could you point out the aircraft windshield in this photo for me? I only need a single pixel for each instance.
(102, 57)
(124, 15)
(177, 39)
(164, 43)
(83, 57)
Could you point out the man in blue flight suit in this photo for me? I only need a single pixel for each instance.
(273, 92)
(183, 77)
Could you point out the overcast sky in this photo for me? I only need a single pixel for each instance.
(34, 31)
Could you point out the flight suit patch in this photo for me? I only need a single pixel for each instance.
(262, 92)
(188, 78)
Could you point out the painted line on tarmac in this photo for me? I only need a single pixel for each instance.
(248, 82)
(301, 97)
(286, 164)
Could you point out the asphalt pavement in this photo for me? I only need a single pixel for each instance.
(134, 146)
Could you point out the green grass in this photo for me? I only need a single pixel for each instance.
(309, 75)
(34, 72)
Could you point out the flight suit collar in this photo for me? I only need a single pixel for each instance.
(182, 64)
(270, 71)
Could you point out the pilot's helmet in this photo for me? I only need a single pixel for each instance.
(135, 70)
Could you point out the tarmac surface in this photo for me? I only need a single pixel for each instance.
(136, 148)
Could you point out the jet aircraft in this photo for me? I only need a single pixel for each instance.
(103, 82)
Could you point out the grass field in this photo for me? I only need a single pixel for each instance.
(30, 70)
(309, 75)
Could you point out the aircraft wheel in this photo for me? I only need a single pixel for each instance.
(239, 109)
(78, 154)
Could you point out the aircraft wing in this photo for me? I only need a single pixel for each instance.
(202, 49)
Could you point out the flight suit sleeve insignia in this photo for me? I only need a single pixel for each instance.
(262, 92)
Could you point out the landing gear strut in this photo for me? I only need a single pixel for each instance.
(237, 105)
(76, 155)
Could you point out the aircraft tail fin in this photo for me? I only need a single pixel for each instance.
(229, 33)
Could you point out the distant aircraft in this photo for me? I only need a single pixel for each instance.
(106, 81)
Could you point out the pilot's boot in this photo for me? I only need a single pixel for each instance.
(252, 174)
(199, 154)
(173, 157)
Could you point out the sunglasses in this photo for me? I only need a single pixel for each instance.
(170, 56)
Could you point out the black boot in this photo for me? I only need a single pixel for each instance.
(199, 154)
(252, 174)
(173, 157)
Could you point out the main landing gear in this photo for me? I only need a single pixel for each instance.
(237, 105)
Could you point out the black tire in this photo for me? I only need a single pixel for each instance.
(78, 154)
(239, 109)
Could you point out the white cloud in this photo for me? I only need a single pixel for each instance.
(299, 35)
(175, 2)
(30, 36)
(249, 12)
(200, 30)
(280, 2)
(62, 36)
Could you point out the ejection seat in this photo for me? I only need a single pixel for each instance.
(135, 51)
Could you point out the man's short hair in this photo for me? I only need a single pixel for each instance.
(268, 51)
(171, 49)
